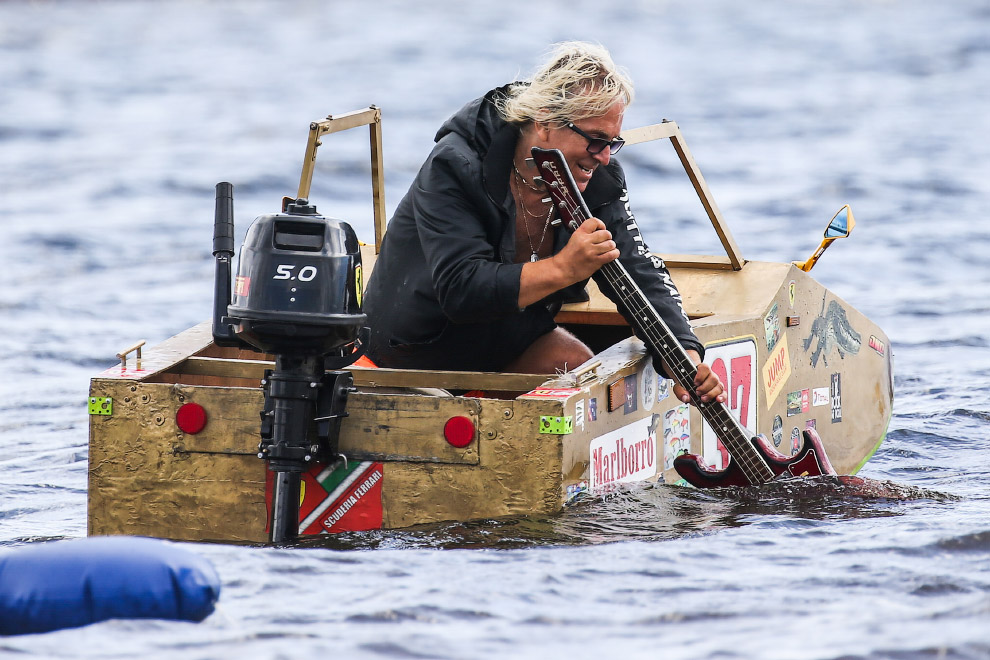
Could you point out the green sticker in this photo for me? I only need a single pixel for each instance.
(100, 405)
(556, 425)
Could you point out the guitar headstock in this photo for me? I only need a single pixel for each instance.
(561, 187)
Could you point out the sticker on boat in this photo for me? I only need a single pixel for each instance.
(624, 455)
(793, 403)
(819, 396)
(771, 326)
(835, 391)
(631, 404)
(663, 388)
(345, 499)
(798, 402)
(777, 370)
(649, 386)
(734, 362)
(562, 393)
(832, 331)
(676, 433)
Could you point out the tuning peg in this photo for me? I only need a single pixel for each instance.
(546, 200)
(537, 179)
(530, 161)
(555, 222)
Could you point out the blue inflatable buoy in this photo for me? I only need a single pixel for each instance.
(66, 584)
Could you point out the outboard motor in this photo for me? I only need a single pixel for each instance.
(297, 296)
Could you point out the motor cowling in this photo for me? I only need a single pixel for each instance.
(298, 284)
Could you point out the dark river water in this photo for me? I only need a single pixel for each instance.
(117, 119)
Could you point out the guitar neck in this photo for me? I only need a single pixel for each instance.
(650, 325)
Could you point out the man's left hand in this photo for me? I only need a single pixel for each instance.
(706, 383)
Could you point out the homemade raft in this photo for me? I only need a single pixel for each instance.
(174, 431)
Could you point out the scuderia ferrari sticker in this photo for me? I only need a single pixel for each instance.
(347, 498)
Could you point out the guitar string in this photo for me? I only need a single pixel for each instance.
(756, 469)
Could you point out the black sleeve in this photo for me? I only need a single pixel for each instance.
(452, 222)
(647, 270)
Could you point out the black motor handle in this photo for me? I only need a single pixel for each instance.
(223, 252)
(223, 220)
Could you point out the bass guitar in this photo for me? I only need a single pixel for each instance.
(753, 460)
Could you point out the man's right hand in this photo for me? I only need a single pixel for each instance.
(589, 248)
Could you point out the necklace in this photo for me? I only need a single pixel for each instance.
(534, 251)
(531, 186)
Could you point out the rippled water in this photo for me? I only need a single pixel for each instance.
(117, 118)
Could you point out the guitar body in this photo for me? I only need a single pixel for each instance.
(810, 461)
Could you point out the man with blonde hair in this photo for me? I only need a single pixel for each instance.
(472, 269)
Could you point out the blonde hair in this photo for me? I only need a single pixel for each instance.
(576, 81)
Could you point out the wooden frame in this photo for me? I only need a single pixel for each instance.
(371, 117)
(669, 130)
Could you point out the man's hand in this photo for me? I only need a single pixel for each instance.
(706, 383)
(589, 248)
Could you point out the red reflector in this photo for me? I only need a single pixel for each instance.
(191, 418)
(458, 431)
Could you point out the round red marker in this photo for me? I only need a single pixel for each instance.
(191, 418)
(459, 431)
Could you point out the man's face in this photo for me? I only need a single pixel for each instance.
(575, 147)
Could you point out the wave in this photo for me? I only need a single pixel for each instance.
(974, 341)
(654, 512)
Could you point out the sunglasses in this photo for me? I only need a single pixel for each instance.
(598, 145)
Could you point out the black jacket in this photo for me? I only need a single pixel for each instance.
(449, 252)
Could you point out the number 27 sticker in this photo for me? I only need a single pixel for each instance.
(735, 364)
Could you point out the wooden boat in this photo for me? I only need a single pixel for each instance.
(174, 429)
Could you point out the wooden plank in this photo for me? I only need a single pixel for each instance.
(599, 310)
(165, 355)
(349, 120)
(404, 427)
(377, 184)
(588, 316)
(451, 380)
(713, 262)
(227, 368)
(364, 377)
(647, 133)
